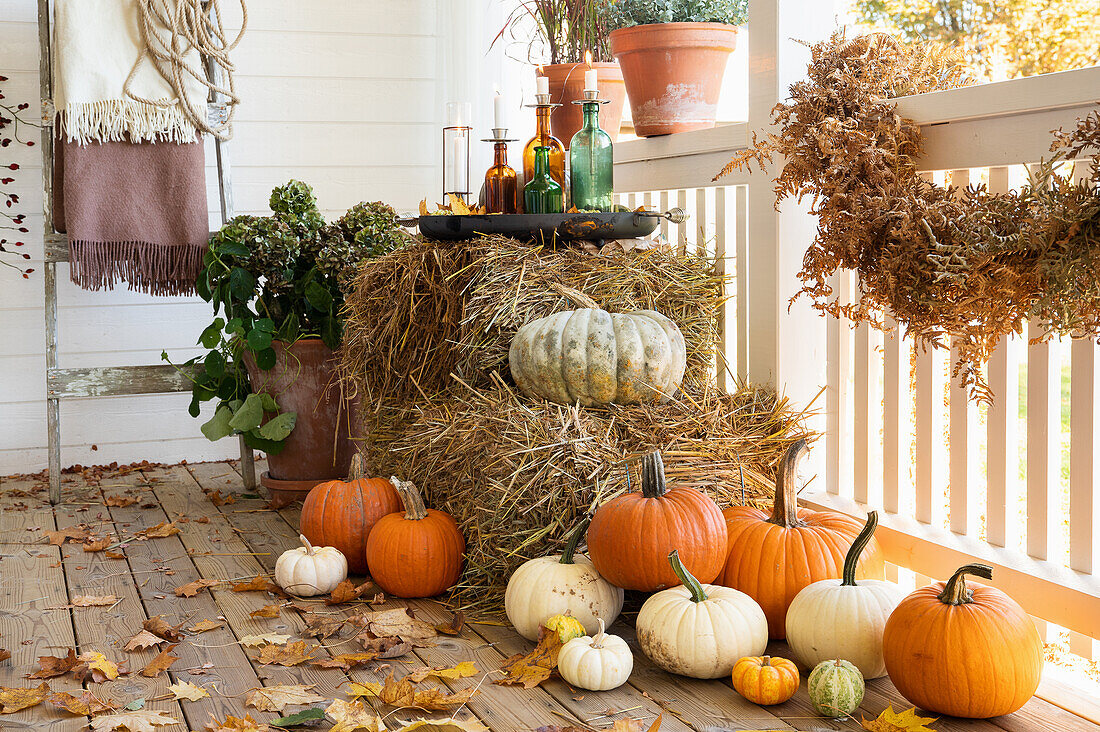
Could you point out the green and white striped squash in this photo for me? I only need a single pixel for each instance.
(595, 357)
(835, 688)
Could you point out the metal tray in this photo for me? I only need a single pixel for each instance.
(542, 228)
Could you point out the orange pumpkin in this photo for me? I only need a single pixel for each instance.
(417, 553)
(631, 536)
(342, 513)
(772, 557)
(963, 651)
(765, 680)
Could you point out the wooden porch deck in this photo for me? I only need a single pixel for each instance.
(237, 541)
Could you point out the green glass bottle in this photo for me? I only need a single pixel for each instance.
(591, 163)
(542, 194)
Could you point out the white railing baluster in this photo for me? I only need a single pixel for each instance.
(727, 316)
(702, 225)
(895, 382)
(682, 229)
(1043, 433)
(838, 348)
(663, 198)
(962, 451)
(862, 417)
(742, 264)
(925, 434)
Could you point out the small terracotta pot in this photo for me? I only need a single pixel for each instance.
(319, 447)
(567, 84)
(673, 73)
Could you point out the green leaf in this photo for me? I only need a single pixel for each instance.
(235, 326)
(271, 447)
(193, 406)
(135, 705)
(202, 285)
(279, 428)
(218, 425)
(241, 284)
(265, 359)
(258, 339)
(330, 332)
(268, 402)
(289, 330)
(249, 416)
(214, 364)
(265, 324)
(306, 715)
(233, 249)
(318, 296)
(212, 335)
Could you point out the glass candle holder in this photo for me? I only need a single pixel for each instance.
(500, 179)
(591, 160)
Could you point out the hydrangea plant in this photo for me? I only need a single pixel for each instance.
(627, 13)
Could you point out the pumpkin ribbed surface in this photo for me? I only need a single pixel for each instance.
(543, 587)
(341, 514)
(835, 688)
(595, 357)
(416, 558)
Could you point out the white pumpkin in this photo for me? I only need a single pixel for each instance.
(595, 357)
(842, 619)
(596, 663)
(567, 583)
(309, 570)
(700, 630)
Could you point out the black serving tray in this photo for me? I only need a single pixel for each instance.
(543, 228)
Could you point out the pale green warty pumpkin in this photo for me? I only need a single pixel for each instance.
(595, 357)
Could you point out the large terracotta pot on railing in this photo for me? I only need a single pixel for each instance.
(319, 447)
(673, 73)
(567, 85)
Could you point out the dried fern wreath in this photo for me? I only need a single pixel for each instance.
(961, 266)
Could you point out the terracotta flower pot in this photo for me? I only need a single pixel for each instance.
(673, 73)
(567, 84)
(319, 447)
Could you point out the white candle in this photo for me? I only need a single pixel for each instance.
(498, 111)
(542, 84)
(590, 83)
(458, 163)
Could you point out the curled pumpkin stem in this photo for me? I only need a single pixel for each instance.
(785, 509)
(653, 475)
(698, 594)
(411, 498)
(851, 560)
(955, 592)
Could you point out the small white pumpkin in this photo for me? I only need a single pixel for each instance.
(568, 583)
(842, 619)
(309, 570)
(700, 630)
(597, 663)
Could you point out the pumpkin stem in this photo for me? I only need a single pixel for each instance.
(653, 475)
(574, 295)
(785, 509)
(851, 559)
(598, 639)
(955, 591)
(308, 546)
(411, 498)
(355, 470)
(574, 539)
(698, 594)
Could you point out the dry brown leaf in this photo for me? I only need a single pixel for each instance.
(459, 671)
(290, 654)
(276, 698)
(347, 591)
(388, 647)
(5, 654)
(346, 661)
(531, 669)
(119, 501)
(94, 600)
(353, 717)
(144, 639)
(187, 690)
(398, 622)
(158, 626)
(322, 626)
(267, 611)
(275, 639)
(97, 545)
(259, 583)
(891, 721)
(423, 207)
(237, 724)
(114, 555)
(356, 689)
(458, 622)
(204, 625)
(97, 666)
(193, 588)
(84, 705)
(160, 531)
(218, 499)
(160, 663)
(447, 725)
(12, 700)
(51, 666)
(143, 720)
(73, 533)
(402, 694)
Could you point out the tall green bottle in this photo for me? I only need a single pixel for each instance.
(591, 164)
(542, 194)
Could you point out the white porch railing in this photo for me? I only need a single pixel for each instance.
(1016, 485)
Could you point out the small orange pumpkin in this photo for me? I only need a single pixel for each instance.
(342, 513)
(631, 536)
(417, 553)
(772, 557)
(963, 651)
(765, 680)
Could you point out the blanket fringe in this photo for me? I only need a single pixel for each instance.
(156, 269)
(126, 120)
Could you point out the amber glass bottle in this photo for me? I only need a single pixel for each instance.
(500, 182)
(543, 138)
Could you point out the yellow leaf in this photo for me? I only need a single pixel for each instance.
(12, 700)
(275, 698)
(187, 690)
(142, 720)
(266, 639)
(532, 669)
(461, 671)
(444, 725)
(204, 625)
(423, 207)
(891, 721)
(356, 689)
(101, 668)
(353, 717)
(458, 206)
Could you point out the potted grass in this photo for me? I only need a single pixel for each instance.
(673, 56)
(277, 287)
(567, 30)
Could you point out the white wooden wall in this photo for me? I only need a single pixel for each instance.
(345, 96)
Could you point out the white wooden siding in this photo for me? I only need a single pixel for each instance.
(345, 96)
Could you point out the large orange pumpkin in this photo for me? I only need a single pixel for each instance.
(342, 513)
(631, 536)
(417, 553)
(773, 556)
(963, 651)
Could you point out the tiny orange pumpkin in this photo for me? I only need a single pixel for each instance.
(765, 680)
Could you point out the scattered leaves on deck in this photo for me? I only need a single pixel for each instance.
(159, 627)
(188, 691)
(191, 589)
(891, 721)
(264, 639)
(531, 669)
(142, 720)
(455, 626)
(345, 661)
(160, 663)
(403, 694)
(347, 591)
(353, 717)
(398, 622)
(446, 725)
(267, 611)
(160, 531)
(51, 666)
(144, 639)
(72, 533)
(204, 625)
(259, 583)
(98, 545)
(236, 724)
(12, 700)
(290, 654)
(276, 698)
(119, 501)
(84, 705)
(96, 665)
(93, 600)
(459, 671)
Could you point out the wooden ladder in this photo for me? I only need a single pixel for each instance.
(112, 380)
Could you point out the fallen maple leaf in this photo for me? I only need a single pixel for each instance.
(276, 698)
(12, 700)
(259, 583)
(98, 666)
(891, 721)
(397, 622)
(159, 627)
(446, 725)
(93, 600)
(273, 639)
(353, 716)
(458, 622)
(144, 639)
(187, 690)
(193, 588)
(390, 647)
(290, 654)
(160, 663)
(460, 671)
(160, 531)
(204, 625)
(322, 626)
(114, 555)
(345, 661)
(97, 545)
(347, 591)
(5, 654)
(73, 533)
(118, 501)
(51, 666)
(142, 720)
(236, 724)
(356, 689)
(267, 611)
(531, 669)
(402, 694)
(218, 499)
(85, 705)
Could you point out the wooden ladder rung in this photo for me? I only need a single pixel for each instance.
(118, 381)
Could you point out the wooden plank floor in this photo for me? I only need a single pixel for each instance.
(239, 540)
